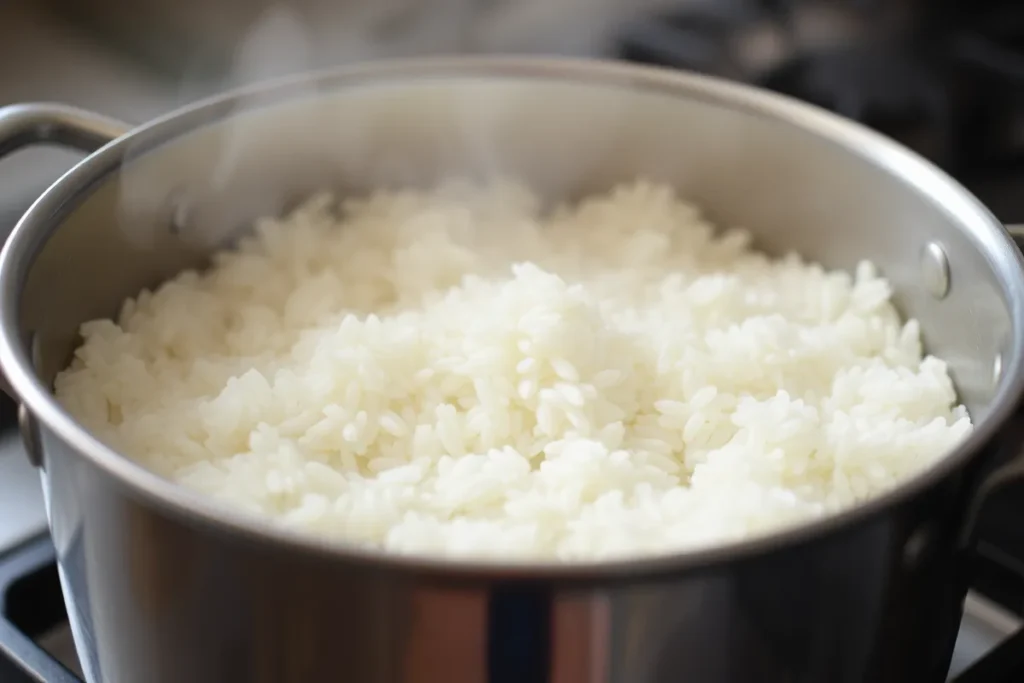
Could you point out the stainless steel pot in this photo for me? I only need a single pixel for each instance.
(164, 586)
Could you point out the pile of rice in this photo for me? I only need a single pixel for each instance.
(459, 373)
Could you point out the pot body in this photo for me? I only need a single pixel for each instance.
(152, 599)
(160, 591)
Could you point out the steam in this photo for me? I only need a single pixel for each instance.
(162, 208)
(278, 45)
(253, 166)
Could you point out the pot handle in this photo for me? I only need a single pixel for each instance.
(22, 125)
(1016, 231)
(1010, 472)
(1013, 470)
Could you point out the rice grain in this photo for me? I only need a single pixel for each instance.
(457, 373)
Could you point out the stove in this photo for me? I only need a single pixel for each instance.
(945, 77)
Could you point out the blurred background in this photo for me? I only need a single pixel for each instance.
(944, 76)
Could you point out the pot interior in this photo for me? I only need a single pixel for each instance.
(163, 198)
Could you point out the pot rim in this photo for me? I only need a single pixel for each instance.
(193, 508)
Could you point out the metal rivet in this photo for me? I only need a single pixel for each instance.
(181, 213)
(916, 546)
(997, 368)
(935, 270)
(30, 436)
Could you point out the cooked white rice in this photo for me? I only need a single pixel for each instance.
(457, 373)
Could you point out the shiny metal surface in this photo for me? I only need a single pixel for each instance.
(22, 515)
(152, 572)
(984, 627)
(44, 123)
(935, 269)
(28, 430)
(23, 124)
(985, 624)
